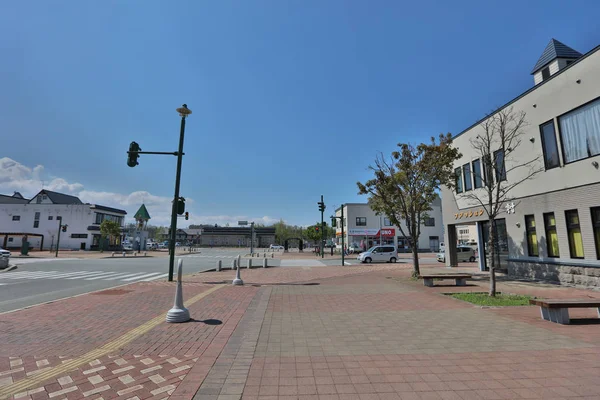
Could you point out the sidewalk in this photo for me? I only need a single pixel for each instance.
(356, 332)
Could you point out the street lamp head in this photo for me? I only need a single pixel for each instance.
(184, 111)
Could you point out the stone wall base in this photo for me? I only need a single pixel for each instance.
(563, 274)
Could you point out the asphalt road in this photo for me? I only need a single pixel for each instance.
(40, 281)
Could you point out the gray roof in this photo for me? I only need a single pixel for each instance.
(58, 198)
(554, 50)
(4, 199)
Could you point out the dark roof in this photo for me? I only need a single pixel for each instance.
(104, 208)
(554, 50)
(58, 198)
(525, 93)
(142, 214)
(4, 199)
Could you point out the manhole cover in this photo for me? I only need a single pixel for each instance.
(113, 292)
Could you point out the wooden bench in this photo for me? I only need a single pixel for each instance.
(461, 279)
(557, 310)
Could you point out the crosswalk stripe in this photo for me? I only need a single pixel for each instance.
(139, 277)
(92, 273)
(30, 275)
(112, 278)
(105, 275)
(69, 274)
(154, 278)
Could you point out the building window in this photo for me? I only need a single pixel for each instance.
(476, 165)
(580, 132)
(10, 239)
(429, 222)
(467, 177)
(58, 218)
(387, 222)
(546, 73)
(16, 218)
(574, 234)
(36, 224)
(500, 167)
(361, 221)
(596, 225)
(37, 216)
(549, 146)
(38, 199)
(50, 218)
(459, 182)
(488, 170)
(551, 236)
(532, 243)
(344, 221)
(79, 235)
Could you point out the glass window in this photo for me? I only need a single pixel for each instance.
(36, 223)
(476, 165)
(467, 176)
(37, 216)
(488, 170)
(596, 225)
(549, 145)
(551, 236)
(574, 234)
(59, 218)
(546, 73)
(532, 243)
(361, 221)
(387, 222)
(459, 182)
(50, 217)
(16, 218)
(580, 132)
(99, 218)
(500, 167)
(344, 221)
(429, 222)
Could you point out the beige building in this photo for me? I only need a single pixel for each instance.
(550, 228)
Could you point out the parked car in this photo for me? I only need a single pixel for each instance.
(177, 244)
(463, 253)
(161, 246)
(127, 246)
(4, 253)
(275, 247)
(379, 254)
(354, 248)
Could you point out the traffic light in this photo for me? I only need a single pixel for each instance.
(317, 229)
(333, 222)
(321, 206)
(64, 228)
(132, 154)
(181, 206)
(187, 215)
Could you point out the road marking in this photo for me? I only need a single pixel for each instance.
(347, 263)
(59, 276)
(140, 277)
(112, 278)
(106, 275)
(27, 275)
(29, 383)
(154, 278)
(89, 274)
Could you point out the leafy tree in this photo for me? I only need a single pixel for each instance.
(110, 229)
(502, 131)
(405, 185)
(312, 234)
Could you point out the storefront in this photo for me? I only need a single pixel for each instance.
(367, 238)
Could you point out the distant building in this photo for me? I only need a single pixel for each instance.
(363, 227)
(550, 229)
(38, 219)
(224, 236)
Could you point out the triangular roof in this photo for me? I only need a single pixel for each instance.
(57, 198)
(554, 50)
(142, 214)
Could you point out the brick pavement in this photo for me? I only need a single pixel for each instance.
(359, 332)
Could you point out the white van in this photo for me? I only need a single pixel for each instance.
(379, 254)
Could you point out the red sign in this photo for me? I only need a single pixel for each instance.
(387, 232)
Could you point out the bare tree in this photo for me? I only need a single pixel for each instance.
(501, 137)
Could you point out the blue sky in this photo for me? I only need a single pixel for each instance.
(290, 99)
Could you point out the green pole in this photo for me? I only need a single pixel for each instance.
(322, 230)
(176, 199)
(58, 238)
(342, 223)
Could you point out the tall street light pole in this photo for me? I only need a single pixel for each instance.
(183, 112)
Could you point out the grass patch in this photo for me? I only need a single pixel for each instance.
(501, 300)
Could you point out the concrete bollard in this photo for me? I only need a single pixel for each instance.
(272, 255)
(135, 253)
(264, 255)
(145, 254)
(265, 263)
(233, 264)
(238, 279)
(178, 313)
(113, 254)
(219, 265)
(249, 263)
(123, 254)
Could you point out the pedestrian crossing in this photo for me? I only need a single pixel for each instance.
(204, 256)
(143, 276)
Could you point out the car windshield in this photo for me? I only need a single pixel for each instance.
(372, 249)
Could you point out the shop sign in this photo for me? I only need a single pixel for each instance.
(469, 214)
(386, 232)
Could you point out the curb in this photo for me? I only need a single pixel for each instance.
(9, 268)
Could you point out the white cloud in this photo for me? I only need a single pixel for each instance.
(15, 176)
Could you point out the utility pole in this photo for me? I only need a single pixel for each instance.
(333, 223)
(61, 227)
(251, 237)
(322, 209)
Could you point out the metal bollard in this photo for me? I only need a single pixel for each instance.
(145, 254)
(264, 255)
(249, 263)
(219, 265)
(233, 264)
(135, 253)
(123, 254)
(113, 254)
(272, 255)
(264, 263)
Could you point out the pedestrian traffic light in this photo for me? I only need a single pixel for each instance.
(132, 154)
(64, 228)
(321, 206)
(187, 215)
(317, 229)
(180, 206)
(333, 222)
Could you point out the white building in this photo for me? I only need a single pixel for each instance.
(39, 219)
(363, 227)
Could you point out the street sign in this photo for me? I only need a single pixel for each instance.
(242, 223)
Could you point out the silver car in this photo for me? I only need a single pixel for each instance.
(4, 253)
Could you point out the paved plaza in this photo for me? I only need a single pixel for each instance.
(323, 332)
